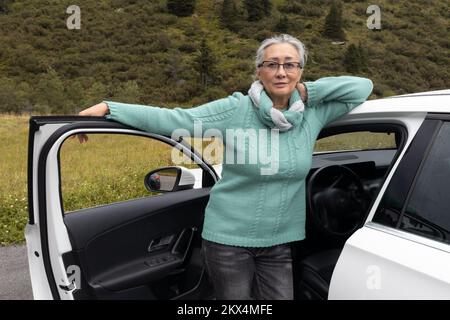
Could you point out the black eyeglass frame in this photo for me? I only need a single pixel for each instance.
(281, 64)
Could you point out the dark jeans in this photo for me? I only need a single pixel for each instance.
(245, 273)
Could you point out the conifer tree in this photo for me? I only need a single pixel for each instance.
(362, 57)
(282, 25)
(205, 64)
(355, 58)
(333, 22)
(267, 7)
(257, 9)
(50, 90)
(229, 14)
(4, 6)
(181, 8)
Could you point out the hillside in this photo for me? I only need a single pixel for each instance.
(136, 51)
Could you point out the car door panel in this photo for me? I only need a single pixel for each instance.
(144, 269)
(161, 238)
(86, 224)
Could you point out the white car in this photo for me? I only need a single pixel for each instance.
(378, 221)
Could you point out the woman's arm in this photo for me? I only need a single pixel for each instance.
(332, 97)
(98, 110)
(213, 115)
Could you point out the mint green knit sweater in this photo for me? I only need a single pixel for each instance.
(246, 207)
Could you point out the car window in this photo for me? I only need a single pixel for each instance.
(428, 210)
(111, 168)
(416, 199)
(211, 149)
(362, 140)
(391, 205)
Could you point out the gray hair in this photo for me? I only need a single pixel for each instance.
(283, 38)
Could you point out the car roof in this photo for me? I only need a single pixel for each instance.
(431, 101)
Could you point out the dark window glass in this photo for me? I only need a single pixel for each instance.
(389, 210)
(360, 140)
(111, 168)
(428, 209)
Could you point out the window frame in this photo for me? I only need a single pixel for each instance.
(429, 137)
(381, 127)
(417, 176)
(107, 128)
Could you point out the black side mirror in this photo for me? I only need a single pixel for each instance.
(169, 179)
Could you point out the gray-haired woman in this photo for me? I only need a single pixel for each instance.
(253, 215)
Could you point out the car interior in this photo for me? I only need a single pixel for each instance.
(122, 255)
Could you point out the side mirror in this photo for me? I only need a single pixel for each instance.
(169, 179)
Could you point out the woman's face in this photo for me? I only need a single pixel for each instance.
(279, 83)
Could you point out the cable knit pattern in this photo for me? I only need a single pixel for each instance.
(246, 207)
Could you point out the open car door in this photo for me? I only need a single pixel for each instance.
(104, 245)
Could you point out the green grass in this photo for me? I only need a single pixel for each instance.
(106, 169)
(13, 184)
(356, 141)
(95, 173)
(111, 168)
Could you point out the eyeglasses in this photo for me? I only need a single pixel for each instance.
(288, 66)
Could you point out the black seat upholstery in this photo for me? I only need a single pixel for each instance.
(315, 273)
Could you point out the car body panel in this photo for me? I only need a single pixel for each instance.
(371, 267)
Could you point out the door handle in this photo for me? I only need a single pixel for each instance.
(160, 243)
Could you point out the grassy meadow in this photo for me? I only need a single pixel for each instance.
(13, 175)
(93, 173)
(106, 169)
(109, 168)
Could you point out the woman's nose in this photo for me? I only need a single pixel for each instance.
(280, 72)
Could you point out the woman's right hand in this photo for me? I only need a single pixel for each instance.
(98, 110)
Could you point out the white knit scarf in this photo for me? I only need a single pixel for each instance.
(273, 117)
